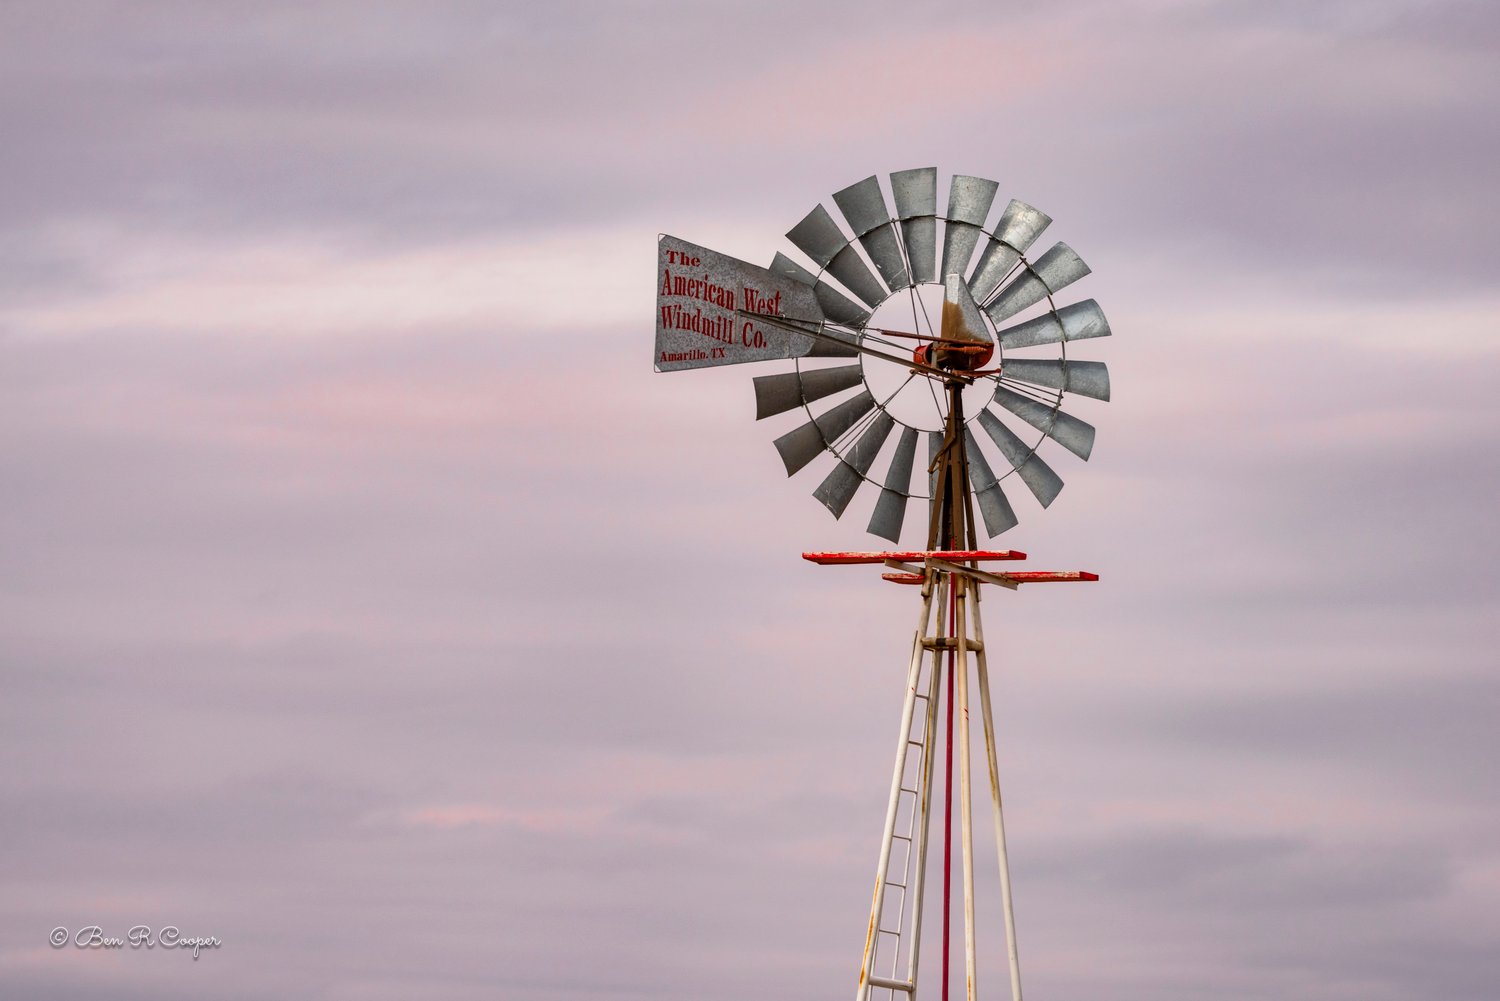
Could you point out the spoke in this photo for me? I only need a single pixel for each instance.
(868, 418)
(1026, 389)
(936, 405)
(926, 317)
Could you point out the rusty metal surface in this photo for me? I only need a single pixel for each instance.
(993, 504)
(838, 487)
(1039, 478)
(1068, 431)
(801, 446)
(1085, 378)
(961, 318)
(1019, 226)
(915, 193)
(698, 292)
(1053, 271)
(776, 394)
(863, 206)
(1074, 322)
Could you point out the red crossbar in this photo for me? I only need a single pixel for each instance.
(1018, 576)
(951, 555)
(904, 578)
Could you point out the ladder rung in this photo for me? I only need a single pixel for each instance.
(951, 643)
(891, 985)
(903, 837)
(899, 886)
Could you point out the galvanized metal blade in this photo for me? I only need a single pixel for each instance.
(993, 504)
(915, 192)
(801, 446)
(961, 318)
(934, 446)
(820, 238)
(890, 506)
(1044, 484)
(1073, 322)
(1071, 433)
(969, 201)
(838, 487)
(776, 394)
(824, 347)
(864, 209)
(1019, 226)
(1086, 378)
(1054, 270)
(835, 305)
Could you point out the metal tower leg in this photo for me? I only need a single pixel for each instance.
(965, 799)
(972, 601)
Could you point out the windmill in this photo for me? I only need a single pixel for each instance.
(997, 360)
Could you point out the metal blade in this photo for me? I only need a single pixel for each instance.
(890, 506)
(934, 445)
(993, 504)
(803, 445)
(849, 268)
(825, 348)
(1019, 226)
(837, 489)
(1074, 322)
(835, 305)
(961, 319)
(1071, 433)
(820, 238)
(776, 394)
(915, 192)
(1044, 484)
(1086, 378)
(969, 201)
(864, 208)
(1054, 270)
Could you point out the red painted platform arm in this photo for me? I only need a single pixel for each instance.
(951, 555)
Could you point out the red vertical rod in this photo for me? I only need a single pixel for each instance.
(948, 794)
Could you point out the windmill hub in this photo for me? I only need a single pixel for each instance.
(917, 402)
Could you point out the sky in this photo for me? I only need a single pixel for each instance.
(368, 603)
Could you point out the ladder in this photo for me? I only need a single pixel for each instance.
(905, 839)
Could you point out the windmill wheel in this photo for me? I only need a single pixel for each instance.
(1002, 307)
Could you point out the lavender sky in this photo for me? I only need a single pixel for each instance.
(367, 602)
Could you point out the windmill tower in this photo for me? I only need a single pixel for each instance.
(997, 359)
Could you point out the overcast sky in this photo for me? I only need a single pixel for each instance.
(367, 602)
